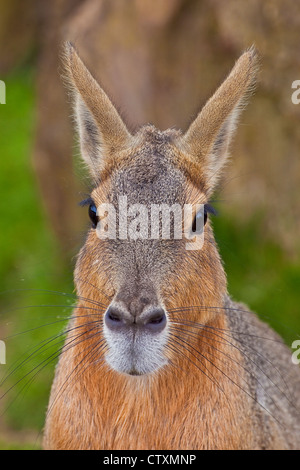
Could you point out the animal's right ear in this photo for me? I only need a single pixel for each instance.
(101, 130)
(208, 137)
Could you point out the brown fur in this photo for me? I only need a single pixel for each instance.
(208, 396)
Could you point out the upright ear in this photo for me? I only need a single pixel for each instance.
(101, 130)
(208, 137)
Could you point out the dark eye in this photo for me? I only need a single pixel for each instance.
(200, 215)
(93, 214)
(92, 210)
(203, 214)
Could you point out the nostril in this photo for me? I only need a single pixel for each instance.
(153, 321)
(113, 318)
(156, 320)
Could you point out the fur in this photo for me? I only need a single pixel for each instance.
(214, 378)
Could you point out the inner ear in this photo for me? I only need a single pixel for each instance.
(223, 137)
(219, 151)
(103, 133)
(89, 136)
(207, 139)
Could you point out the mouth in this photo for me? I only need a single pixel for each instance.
(135, 354)
(133, 372)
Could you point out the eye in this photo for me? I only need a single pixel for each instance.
(92, 210)
(202, 214)
(93, 214)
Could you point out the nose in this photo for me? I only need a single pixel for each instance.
(152, 320)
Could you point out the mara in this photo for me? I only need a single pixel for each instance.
(157, 355)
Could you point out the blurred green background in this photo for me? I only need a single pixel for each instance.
(30, 262)
(182, 49)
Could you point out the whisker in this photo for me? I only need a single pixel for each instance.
(109, 297)
(67, 382)
(66, 318)
(231, 380)
(226, 309)
(46, 363)
(196, 336)
(54, 292)
(49, 359)
(202, 327)
(180, 342)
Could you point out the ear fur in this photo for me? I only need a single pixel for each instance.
(101, 130)
(208, 137)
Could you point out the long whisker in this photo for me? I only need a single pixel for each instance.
(229, 378)
(230, 333)
(205, 327)
(197, 336)
(96, 347)
(180, 342)
(46, 344)
(63, 294)
(51, 357)
(230, 309)
(36, 353)
(67, 382)
(109, 297)
(62, 319)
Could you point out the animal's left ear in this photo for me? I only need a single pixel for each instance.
(208, 137)
(103, 134)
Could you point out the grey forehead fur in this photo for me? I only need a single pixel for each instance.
(151, 177)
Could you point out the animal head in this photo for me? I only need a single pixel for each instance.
(141, 278)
